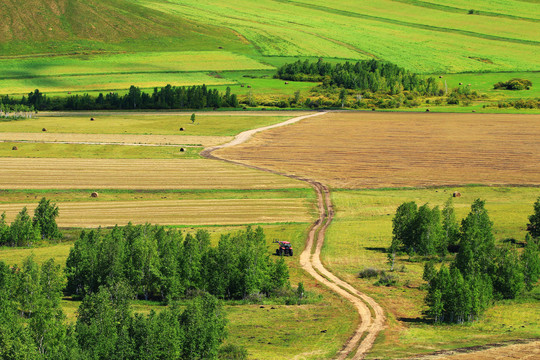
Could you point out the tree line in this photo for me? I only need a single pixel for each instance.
(371, 76)
(164, 264)
(33, 325)
(26, 230)
(168, 97)
(480, 271)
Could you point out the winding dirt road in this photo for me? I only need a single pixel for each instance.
(371, 314)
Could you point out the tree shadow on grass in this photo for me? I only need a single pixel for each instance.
(416, 320)
(380, 249)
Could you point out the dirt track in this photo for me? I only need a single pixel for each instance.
(371, 314)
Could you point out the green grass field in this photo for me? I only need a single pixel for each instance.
(40, 150)
(363, 229)
(162, 124)
(253, 38)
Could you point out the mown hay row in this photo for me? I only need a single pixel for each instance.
(134, 174)
(175, 212)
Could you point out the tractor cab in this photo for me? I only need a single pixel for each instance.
(284, 248)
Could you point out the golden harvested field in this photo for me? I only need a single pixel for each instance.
(30, 173)
(376, 150)
(116, 138)
(175, 212)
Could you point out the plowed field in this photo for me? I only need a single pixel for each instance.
(375, 150)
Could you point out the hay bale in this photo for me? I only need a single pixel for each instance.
(94, 194)
(474, 111)
(92, 119)
(249, 86)
(182, 149)
(43, 129)
(427, 110)
(286, 83)
(460, 83)
(181, 129)
(456, 194)
(241, 85)
(373, 109)
(14, 148)
(220, 47)
(440, 76)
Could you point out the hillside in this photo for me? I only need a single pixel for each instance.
(60, 26)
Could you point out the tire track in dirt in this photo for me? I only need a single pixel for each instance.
(371, 314)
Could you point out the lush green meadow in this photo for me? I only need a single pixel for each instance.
(426, 37)
(361, 232)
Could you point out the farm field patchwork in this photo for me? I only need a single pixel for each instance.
(365, 149)
(107, 72)
(358, 31)
(362, 229)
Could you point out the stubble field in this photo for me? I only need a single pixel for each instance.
(377, 150)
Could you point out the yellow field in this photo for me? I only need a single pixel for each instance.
(115, 138)
(374, 150)
(134, 174)
(175, 212)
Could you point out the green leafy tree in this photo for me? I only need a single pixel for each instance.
(45, 216)
(449, 224)
(192, 118)
(508, 274)
(22, 232)
(530, 261)
(203, 323)
(477, 244)
(534, 220)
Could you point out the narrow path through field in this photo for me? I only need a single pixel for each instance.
(371, 314)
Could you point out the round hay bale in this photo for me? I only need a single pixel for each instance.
(14, 148)
(286, 83)
(249, 86)
(182, 149)
(43, 129)
(92, 119)
(220, 47)
(474, 111)
(427, 110)
(94, 194)
(440, 76)
(241, 85)
(456, 194)
(244, 108)
(181, 129)
(468, 84)
(460, 83)
(373, 109)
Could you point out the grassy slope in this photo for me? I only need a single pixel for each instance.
(39, 26)
(424, 36)
(363, 228)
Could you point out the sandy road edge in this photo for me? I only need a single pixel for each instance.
(369, 326)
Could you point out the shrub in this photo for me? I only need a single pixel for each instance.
(369, 273)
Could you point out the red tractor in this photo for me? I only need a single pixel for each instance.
(285, 248)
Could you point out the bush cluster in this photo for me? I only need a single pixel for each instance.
(25, 230)
(513, 84)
